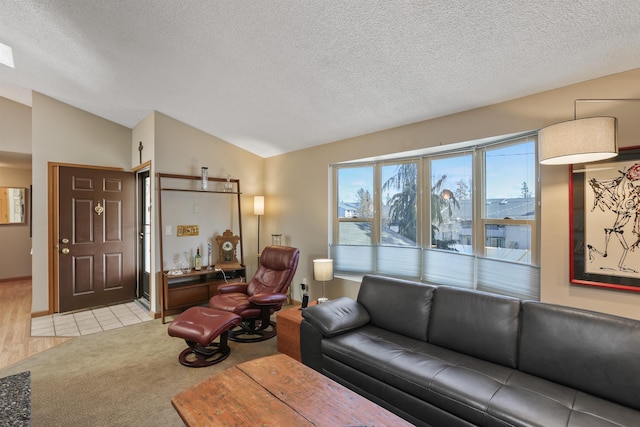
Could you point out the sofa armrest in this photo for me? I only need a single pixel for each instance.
(311, 346)
(336, 316)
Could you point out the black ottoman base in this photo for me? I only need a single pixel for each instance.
(199, 326)
(197, 356)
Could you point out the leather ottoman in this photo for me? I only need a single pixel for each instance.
(199, 327)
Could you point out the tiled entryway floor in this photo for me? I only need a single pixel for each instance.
(89, 321)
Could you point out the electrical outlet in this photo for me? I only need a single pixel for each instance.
(168, 231)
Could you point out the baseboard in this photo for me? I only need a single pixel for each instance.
(15, 279)
(39, 314)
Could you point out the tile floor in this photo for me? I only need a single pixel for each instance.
(89, 321)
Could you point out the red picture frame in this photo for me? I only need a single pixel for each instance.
(604, 222)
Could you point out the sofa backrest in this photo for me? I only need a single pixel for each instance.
(593, 352)
(397, 305)
(476, 323)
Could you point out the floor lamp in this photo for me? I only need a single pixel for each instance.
(322, 271)
(258, 209)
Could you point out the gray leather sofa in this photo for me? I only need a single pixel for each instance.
(443, 356)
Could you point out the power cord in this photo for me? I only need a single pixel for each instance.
(224, 276)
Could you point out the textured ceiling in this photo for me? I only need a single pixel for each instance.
(278, 76)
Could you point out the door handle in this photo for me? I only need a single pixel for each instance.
(65, 241)
(65, 250)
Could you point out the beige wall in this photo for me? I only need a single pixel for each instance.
(143, 132)
(181, 149)
(15, 249)
(65, 134)
(15, 137)
(297, 183)
(15, 127)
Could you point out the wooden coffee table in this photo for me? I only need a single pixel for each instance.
(277, 390)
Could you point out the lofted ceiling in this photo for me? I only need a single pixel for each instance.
(277, 76)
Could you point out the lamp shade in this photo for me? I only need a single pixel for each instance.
(258, 205)
(322, 269)
(578, 141)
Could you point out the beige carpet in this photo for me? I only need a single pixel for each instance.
(124, 377)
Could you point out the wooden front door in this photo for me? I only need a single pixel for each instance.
(96, 238)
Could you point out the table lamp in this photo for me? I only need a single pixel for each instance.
(322, 271)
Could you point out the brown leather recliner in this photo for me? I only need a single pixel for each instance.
(257, 300)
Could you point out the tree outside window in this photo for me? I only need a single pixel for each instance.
(399, 204)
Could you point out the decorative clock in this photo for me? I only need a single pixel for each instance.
(227, 251)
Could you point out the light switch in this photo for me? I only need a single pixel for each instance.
(196, 208)
(168, 230)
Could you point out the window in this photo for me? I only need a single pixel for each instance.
(399, 208)
(509, 216)
(466, 218)
(355, 205)
(451, 199)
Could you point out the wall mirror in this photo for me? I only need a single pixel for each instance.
(12, 205)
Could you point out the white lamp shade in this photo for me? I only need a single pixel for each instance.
(578, 141)
(322, 269)
(258, 205)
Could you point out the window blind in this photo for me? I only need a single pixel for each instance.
(353, 258)
(509, 278)
(441, 268)
(398, 261)
(448, 268)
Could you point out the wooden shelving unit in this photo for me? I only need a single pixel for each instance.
(180, 291)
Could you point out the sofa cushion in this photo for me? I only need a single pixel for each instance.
(368, 349)
(525, 398)
(480, 392)
(593, 352)
(397, 305)
(428, 372)
(476, 323)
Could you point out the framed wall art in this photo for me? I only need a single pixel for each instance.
(604, 199)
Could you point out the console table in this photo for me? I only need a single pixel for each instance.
(277, 390)
(194, 288)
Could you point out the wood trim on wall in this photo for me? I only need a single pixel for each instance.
(142, 166)
(15, 279)
(52, 204)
